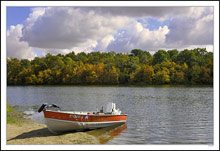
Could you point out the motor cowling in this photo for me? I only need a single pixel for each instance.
(54, 105)
(43, 106)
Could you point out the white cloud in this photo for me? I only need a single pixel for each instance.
(209, 48)
(158, 12)
(198, 12)
(138, 37)
(15, 47)
(68, 27)
(44, 52)
(87, 47)
(192, 29)
(202, 33)
(103, 43)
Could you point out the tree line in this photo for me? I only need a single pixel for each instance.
(101, 68)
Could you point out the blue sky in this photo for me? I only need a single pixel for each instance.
(37, 31)
(17, 15)
(153, 24)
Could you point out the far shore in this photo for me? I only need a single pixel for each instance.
(118, 85)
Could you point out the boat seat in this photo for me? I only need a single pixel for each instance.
(110, 107)
(108, 112)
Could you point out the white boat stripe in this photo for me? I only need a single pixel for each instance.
(87, 122)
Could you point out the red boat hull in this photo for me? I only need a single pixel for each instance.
(61, 121)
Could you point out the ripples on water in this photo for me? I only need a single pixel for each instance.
(156, 115)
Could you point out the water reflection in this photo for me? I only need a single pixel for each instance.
(106, 134)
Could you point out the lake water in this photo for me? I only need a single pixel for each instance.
(156, 115)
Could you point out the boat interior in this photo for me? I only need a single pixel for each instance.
(110, 110)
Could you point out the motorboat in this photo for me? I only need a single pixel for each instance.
(59, 121)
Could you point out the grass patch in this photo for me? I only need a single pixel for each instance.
(9, 109)
(13, 116)
(11, 120)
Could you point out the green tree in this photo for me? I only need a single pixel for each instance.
(94, 57)
(13, 69)
(137, 52)
(179, 77)
(110, 75)
(133, 63)
(23, 75)
(144, 56)
(186, 70)
(200, 54)
(38, 64)
(82, 57)
(137, 76)
(209, 60)
(160, 56)
(54, 62)
(195, 74)
(206, 75)
(71, 55)
(188, 57)
(173, 55)
(25, 63)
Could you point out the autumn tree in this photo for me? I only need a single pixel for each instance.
(143, 74)
(148, 74)
(162, 77)
(110, 75)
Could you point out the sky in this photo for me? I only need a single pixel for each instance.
(36, 31)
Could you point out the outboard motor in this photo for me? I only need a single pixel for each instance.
(45, 106)
(54, 105)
